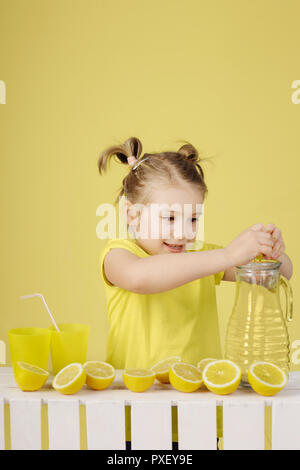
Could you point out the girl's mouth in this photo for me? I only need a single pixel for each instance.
(174, 248)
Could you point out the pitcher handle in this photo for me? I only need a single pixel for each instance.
(288, 297)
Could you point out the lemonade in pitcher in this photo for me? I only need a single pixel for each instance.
(257, 329)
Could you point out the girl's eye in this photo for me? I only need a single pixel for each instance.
(170, 218)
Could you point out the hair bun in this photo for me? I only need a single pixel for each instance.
(131, 147)
(188, 152)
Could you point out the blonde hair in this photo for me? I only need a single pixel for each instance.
(170, 167)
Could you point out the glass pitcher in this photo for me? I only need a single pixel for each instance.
(257, 330)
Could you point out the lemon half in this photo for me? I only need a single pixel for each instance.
(29, 377)
(222, 376)
(185, 377)
(138, 380)
(162, 368)
(266, 378)
(70, 379)
(99, 374)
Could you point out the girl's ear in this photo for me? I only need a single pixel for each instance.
(131, 212)
(127, 206)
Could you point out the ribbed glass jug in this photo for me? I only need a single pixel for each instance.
(257, 330)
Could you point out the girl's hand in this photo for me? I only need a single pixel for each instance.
(248, 244)
(278, 243)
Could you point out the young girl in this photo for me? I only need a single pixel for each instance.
(161, 296)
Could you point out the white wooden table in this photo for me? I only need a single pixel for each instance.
(97, 418)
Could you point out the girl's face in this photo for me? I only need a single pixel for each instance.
(169, 221)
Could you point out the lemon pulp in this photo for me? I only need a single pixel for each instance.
(222, 376)
(138, 380)
(29, 377)
(185, 377)
(266, 378)
(70, 379)
(99, 374)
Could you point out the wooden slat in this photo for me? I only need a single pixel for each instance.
(285, 425)
(63, 422)
(25, 424)
(105, 425)
(2, 428)
(243, 425)
(197, 425)
(151, 425)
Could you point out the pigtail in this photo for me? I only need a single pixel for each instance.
(188, 152)
(131, 147)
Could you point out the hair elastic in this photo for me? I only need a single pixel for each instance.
(131, 160)
(139, 162)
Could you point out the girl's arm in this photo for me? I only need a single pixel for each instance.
(159, 273)
(162, 272)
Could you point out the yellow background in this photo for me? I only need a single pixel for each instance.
(83, 75)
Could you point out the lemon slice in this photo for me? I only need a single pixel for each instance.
(162, 368)
(29, 377)
(70, 379)
(99, 375)
(222, 376)
(138, 380)
(185, 377)
(266, 378)
(259, 258)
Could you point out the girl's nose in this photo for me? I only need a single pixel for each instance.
(183, 230)
(179, 232)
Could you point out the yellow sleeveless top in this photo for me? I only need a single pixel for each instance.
(146, 328)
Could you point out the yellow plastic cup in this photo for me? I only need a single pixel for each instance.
(30, 345)
(68, 345)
